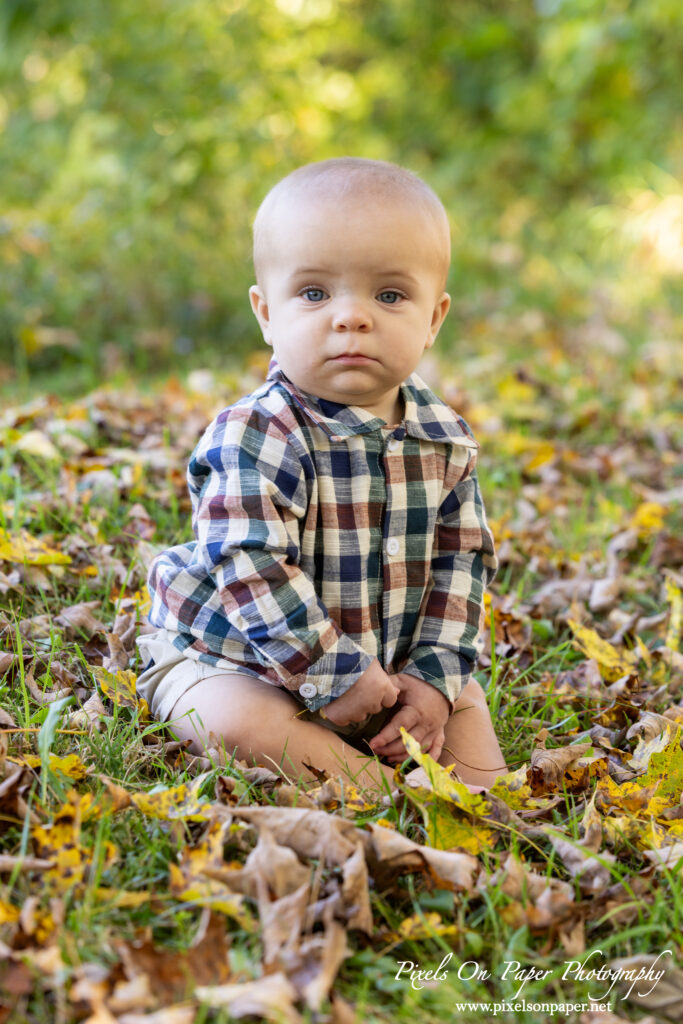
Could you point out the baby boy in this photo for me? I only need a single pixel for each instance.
(334, 589)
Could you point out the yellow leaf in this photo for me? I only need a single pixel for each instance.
(440, 806)
(209, 893)
(121, 898)
(188, 881)
(71, 765)
(37, 444)
(8, 913)
(648, 518)
(442, 782)
(25, 549)
(119, 686)
(666, 768)
(446, 830)
(423, 926)
(613, 664)
(143, 602)
(60, 843)
(675, 599)
(632, 797)
(176, 802)
(515, 791)
(623, 830)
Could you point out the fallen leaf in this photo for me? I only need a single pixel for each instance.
(271, 997)
(23, 548)
(613, 664)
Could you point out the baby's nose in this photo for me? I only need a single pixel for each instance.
(351, 316)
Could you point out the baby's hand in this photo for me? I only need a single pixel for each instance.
(370, 693)
(423, 714)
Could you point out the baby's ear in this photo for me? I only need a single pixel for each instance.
(260, 308)
(438, 316)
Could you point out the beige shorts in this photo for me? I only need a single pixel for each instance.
(170, 673)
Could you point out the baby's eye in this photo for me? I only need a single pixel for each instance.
(390, 297)
(314, 294)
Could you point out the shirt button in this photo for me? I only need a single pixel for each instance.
(308, 690)
(393, 546)
(393, 443)
(391, 651)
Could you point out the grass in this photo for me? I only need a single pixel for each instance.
(124, 894)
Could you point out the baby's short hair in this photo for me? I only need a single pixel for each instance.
(346, 176)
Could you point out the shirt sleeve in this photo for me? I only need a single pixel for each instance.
(250, 494)
(444, 644)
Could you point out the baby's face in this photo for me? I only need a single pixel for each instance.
(351, 297)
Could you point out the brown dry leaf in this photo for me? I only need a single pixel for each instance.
(13, 808)
(389, 853)
(336, 794)
(356, 893)
(649, 726)
(665, 997)
(287, 795)
(605, 594)
(278, 866)
(572, 938)
(607, 1017)
(168, 1015)
(118, 656)
(308, 833)
(9, 864)
(538, 901)
(172, 975)
(37, 628)
(281, 925)
(271, 997)
(133, 994)
(7, 661)
(675, 714)
(45, 696)
(90, 715)
(260, 776)
(78, 619)
(547, 768)
(669, 857)
(140, 523)
(120, 797)
(591, 871)
(322, 955)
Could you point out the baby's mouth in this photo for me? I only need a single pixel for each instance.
(353, 359)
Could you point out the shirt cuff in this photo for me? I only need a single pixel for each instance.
(332, 675)
(444, 669)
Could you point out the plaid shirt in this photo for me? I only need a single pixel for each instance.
(325, 538)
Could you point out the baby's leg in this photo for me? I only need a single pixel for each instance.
(259, 722)
(471, 742)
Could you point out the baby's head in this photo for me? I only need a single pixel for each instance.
(351, 258)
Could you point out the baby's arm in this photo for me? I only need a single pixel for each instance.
(249, 493)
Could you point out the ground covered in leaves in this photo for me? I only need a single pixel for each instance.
(141, 883)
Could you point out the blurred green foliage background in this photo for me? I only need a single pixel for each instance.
(136, 141)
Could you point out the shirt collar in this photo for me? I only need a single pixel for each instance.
(426, 416)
